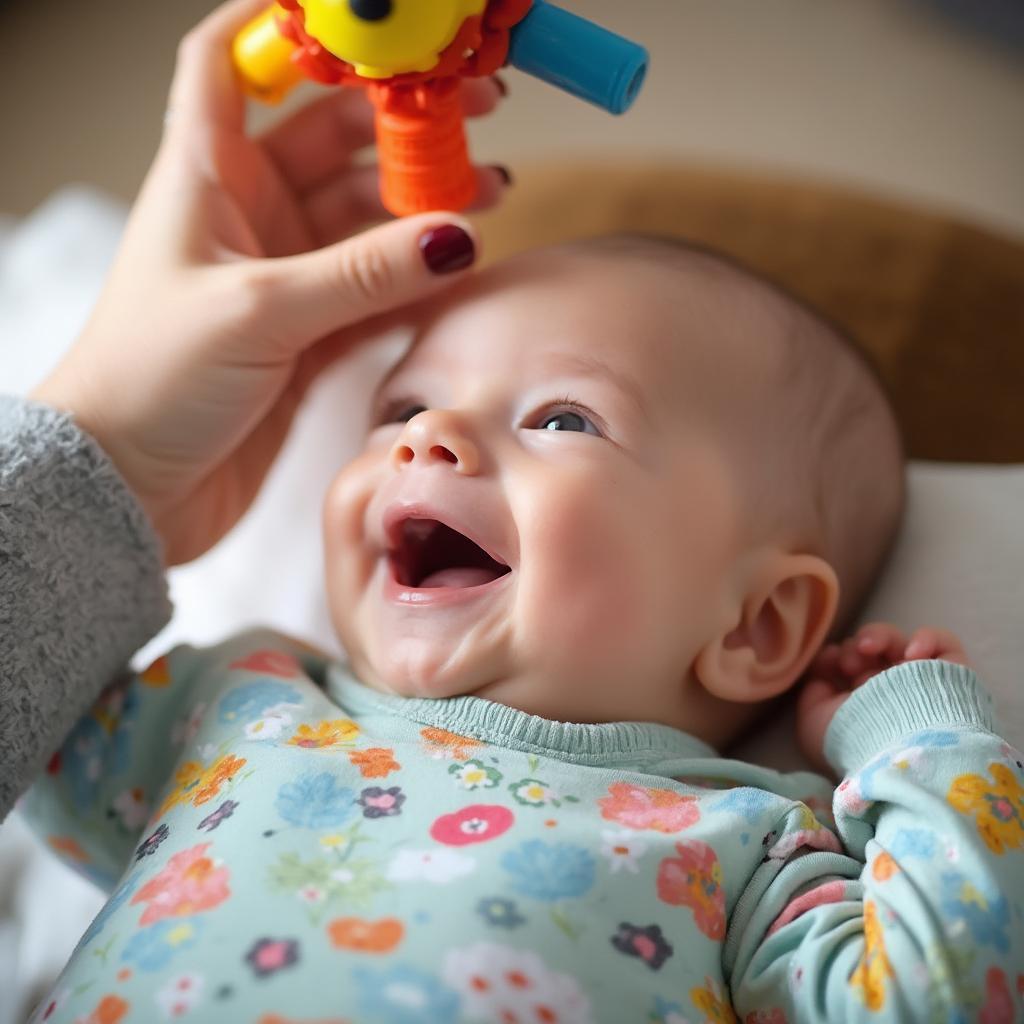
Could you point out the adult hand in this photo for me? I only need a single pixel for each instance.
(237, 283)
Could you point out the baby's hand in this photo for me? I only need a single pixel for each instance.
(841, 668)
(239, 280)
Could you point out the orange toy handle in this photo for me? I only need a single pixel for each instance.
(421, 148)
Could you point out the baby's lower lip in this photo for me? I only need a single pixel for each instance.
(407, 596)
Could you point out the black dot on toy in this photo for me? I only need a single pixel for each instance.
(371, 10)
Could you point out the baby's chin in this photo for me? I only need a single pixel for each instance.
(416, 669)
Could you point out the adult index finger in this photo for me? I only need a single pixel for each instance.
(206, 92)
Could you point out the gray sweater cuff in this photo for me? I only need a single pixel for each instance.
(82, 583)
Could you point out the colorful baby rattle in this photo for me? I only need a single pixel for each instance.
(410, 54)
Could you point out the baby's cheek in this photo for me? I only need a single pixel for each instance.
(347, 553)
(588, 580)
(346, 500)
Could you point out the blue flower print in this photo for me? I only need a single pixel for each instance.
(913, 842)
(153, 948)
(100, 744)
(245, 703)
(746, 802)
(315, 801)
(985, 912)
(124, 734)
(550, 871)
(663, 1011)
(929, 738)
(404, 995)
(934, 738)
(500, 913)
(124, 890)
(82, 760)
(866, 777)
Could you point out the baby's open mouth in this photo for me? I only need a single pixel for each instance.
(429, 554)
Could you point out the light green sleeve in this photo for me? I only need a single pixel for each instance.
(920, 915)
(93, 801)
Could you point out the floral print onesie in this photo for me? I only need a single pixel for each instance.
(286, 846)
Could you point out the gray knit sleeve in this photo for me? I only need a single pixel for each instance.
(82, 585)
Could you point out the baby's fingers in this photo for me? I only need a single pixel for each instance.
(851, 662)
(935, 643)
(826, 665)
(882, 640)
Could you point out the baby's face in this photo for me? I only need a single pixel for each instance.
(563, 414)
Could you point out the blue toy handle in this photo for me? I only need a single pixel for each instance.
(576, 55)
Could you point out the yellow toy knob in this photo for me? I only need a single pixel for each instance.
(263, 58)
(381, 38)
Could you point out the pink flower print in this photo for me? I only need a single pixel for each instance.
(268, 956)
(477, 823)
(802, 830)
(829, 892)
(694, 879)
(850, 798)
(772, 1016)
(647, 944)
(377, 802)
(270, 663)
(638, 807)
(189, 883)
(998, 1008)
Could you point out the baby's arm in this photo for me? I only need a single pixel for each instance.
(918, 917)
(81, 584)
(113, 771)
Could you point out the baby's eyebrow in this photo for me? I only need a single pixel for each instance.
(591, 366)
(587, 366)
(386, 380)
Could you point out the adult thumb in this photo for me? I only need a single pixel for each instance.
(308, 296)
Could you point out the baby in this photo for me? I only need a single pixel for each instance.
(613, 501)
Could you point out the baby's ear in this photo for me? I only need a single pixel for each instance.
(784, 619)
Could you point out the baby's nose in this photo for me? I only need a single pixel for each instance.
(371, 10)
(436, 435)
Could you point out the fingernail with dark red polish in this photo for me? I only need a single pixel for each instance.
(504, 173)
(447, 249)
(501, 84)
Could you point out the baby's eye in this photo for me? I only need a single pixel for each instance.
(573, 420)
(406, 414)
(399, 412)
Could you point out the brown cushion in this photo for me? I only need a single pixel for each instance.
(938, 304)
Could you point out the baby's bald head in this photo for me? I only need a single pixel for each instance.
(823, 458)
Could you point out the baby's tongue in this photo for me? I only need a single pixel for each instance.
(461, 576)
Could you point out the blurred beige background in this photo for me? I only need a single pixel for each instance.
(883, 93)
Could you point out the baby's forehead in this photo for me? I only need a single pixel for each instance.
(664, 324)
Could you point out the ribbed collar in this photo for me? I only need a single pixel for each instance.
(628, 745)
